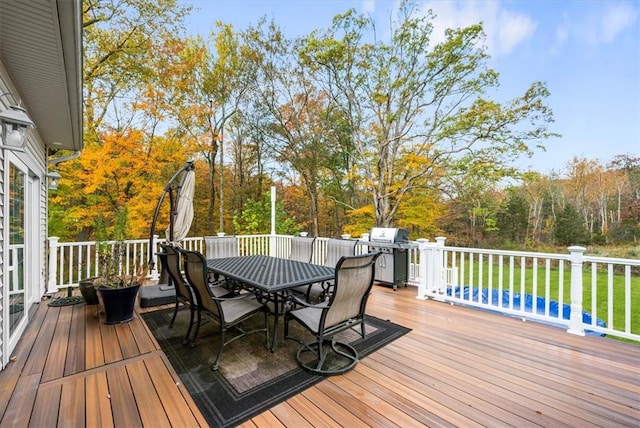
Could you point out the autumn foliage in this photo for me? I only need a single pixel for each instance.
(352, 130)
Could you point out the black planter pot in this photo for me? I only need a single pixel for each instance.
(88, 291)
(118, 303)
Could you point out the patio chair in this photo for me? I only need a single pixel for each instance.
(219, 247)
(228, 312)
(184, 293)
(302, 248)
(336, 248)
(344, 309)
(185, 296)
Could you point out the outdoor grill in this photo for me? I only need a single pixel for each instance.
(393, 263)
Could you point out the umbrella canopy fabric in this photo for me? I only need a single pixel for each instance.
(184, 208)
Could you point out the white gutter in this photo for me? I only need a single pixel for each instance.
(56, 161)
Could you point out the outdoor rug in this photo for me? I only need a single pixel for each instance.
(66, 301)
(250, 379)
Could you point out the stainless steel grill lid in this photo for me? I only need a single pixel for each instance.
(388, 235)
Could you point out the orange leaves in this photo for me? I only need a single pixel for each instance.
(123, 170)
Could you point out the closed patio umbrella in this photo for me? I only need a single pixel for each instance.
(181, 208)
(183, 214)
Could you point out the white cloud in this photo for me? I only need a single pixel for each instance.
(504, 29)
(603, 23)
(617, 18)
(513, 29)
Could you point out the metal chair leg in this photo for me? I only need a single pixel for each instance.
(214, 365)
(175, 312)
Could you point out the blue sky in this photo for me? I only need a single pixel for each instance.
(587, 53)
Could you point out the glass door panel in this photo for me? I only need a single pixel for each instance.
(16, 268)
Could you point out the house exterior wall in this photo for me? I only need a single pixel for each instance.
(33, 162)
(40, 66)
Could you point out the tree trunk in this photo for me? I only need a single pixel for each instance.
(212, 189)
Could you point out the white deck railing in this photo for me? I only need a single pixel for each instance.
(524, 284)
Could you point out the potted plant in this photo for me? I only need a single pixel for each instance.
(88, 290)
(116, 292)
(118, 296)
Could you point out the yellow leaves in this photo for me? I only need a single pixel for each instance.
(420, 212)
(359, 220)
(124, 170)
(379, 98)
(414, 161)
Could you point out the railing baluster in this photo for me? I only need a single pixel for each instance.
(437, 270)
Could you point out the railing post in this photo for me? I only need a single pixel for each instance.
(439, 270)
(272, 238)
(422, 268)
(155, 274)
(52, 286)
(575, 317)
(431, 287)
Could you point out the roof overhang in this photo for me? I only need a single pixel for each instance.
(41, 50)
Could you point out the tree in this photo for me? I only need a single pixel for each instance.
(123, 50)
(513, 217)
(212, 88)
(117, 174)
(535, 189)
(302, 126)
(118, 52)
(415, 111)
(569, 229)
(256, 218)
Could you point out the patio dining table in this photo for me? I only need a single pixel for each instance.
(270, 275)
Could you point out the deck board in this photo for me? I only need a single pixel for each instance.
(148, 402)
(72, 409)
(110, 345)
(457, 367)
(11, 374)
(56, 357)
(123, 402)
(45, 408)
(75, 358)
(97, 401)
(173, 401)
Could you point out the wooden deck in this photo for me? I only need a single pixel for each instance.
(458, 367)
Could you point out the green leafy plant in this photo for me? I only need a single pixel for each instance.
(111, 254)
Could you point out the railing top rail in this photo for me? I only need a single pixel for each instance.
(611, 260)
(514, 253)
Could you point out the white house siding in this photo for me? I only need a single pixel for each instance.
(34, 159)
(2, 263)
(41, 65)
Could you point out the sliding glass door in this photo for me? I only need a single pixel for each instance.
(16, 255)
(22, 266)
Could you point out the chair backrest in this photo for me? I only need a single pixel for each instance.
(353, 281)
(171, 262)
(301, 248)
(221, 246)
(196, 271)
(337, 248)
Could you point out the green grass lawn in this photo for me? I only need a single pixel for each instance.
(555, 284)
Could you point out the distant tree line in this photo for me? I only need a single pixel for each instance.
(586, 203)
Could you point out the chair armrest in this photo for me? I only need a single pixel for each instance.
(234, 297)
(297, 301)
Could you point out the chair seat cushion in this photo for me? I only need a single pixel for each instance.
(238, 308)
(309, 316)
